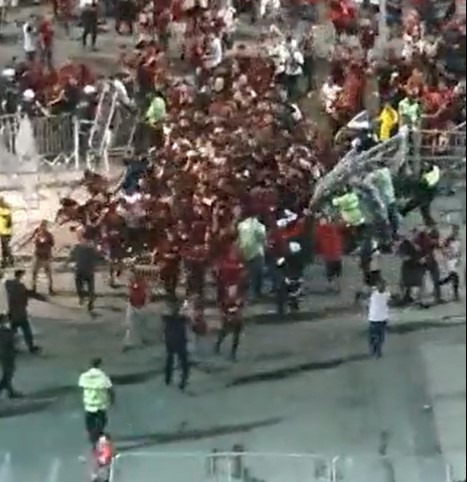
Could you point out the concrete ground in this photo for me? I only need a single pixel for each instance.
(302, 385)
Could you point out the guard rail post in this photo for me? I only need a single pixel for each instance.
(76, 142)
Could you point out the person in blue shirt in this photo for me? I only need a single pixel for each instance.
(134, 171)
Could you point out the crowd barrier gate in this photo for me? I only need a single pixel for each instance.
(56, 139)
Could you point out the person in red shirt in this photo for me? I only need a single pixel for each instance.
(230, 275)
(328, 242)
(43, 246)
(46, 37)
(135, 314)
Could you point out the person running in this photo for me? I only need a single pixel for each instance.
(98, 395)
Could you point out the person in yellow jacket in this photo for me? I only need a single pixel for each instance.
(388, 120)
(6, 229)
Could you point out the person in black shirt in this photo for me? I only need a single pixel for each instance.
(176, 344)
(18, 298)
(86, 259)
(7, 358)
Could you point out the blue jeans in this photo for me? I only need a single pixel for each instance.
(254, 269)
(377, 335)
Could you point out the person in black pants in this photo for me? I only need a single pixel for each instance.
(18, 297)
(89, 20)
(176, 344)
(7, 358)
(86, 259)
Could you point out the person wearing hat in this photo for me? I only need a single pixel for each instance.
(176, 343)
(7, 357)
(18, 297)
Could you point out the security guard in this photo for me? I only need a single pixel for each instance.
(424, 193)
(6, 225)
(157, 110)
(348, 206)
(176, 344)
(7, 357)
(98, 395)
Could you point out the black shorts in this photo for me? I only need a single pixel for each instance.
(372, 278)
(96, 422)
(333, 269)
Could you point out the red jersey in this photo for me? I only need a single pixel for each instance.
(46, 33)
(328, 241)
(43, 244)
(230, 269)
(137, 293)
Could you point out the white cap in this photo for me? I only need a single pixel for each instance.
(294, 247)
(9, 73)
(29, 94)
(89, 89)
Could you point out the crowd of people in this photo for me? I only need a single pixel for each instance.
(224, 165)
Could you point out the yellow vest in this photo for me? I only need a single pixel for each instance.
(96, 385)
(432, 177)
(388, 118)
(5, 221)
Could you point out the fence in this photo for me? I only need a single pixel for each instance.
(255, 467)
(233, 467)
(64, 142)
(56, 140)
(411, 149)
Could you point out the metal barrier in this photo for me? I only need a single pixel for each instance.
(393, 153)
(56, 137)
(222, 467)
(233, 467)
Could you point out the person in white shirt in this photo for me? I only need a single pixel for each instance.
(329, 94)
(214, 54)
(378, 317)
(29, 38)
(293, 68)
(452, 253)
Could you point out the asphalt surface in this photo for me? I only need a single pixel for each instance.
(301, 386)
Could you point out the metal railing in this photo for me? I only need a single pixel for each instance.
(235, 467)
(270, 467)
(56, 139)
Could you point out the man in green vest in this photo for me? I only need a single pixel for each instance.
(424, 193)
(98, 395)
(157, 110)
(6, 228)
(348, 205)
(409, 111)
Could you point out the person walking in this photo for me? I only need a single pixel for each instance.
(378, 317)
(251, 243)
(452, 253)
(135, 315)
(43, 245)
(86, 259)
(176, 344)
(7, 358)
(6, 227)
(18, 297)
(89, 21)
(98, 395)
